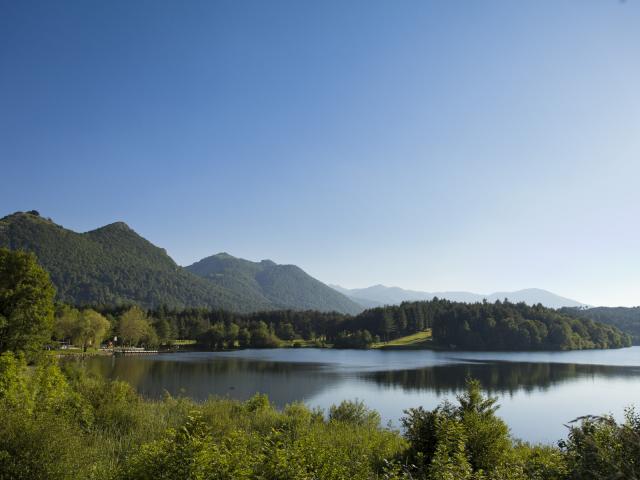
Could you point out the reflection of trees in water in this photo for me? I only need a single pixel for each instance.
(234, 377)
(285, 382)
(499, 377)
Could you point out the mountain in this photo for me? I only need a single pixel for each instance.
(281, 286)
(382, 295)
(626, 319)
(113, 265)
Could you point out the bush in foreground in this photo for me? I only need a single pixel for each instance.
(69, 425)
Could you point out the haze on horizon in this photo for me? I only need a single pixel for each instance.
(478, 146)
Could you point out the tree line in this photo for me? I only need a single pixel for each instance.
(490, 326)
(495, 326)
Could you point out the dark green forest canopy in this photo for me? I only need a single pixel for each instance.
(626, 319)
(492, 326)
(507, 326)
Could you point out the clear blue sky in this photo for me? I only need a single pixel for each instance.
(435, 145)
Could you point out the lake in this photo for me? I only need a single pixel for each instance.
(539, 392)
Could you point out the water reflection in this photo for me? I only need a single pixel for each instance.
(288, 375)
(498, 377)
(240, 378)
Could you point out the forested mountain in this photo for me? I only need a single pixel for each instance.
(278, 286)
(377, 295)
(626, 319)
(113, 265)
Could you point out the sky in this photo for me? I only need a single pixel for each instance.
(433, 145)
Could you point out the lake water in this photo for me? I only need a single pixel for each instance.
(539, 392)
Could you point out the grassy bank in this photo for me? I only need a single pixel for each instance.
(414, 341)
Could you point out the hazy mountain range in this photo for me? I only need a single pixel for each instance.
(381, 295)
(272, 285)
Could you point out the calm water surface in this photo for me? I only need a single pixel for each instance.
(539, 392)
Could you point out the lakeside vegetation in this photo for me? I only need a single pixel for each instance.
(66, 424)
(626, 319)
(480, 326)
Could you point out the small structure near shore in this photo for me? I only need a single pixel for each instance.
(133, 351)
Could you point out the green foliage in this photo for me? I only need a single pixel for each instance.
(14, 392)
(599, 448)
(500, 325)
(262, 336)
(69, 425)
(626, 319)
(134, 327)
(26, 303)
(487, 442)
(354, 412)
(508, 326)
(357, 339)
(449, 461)
(463, 441)
(59, 426)
(42, 421)
(83, 328)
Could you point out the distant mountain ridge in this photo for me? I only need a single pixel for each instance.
(378, 295)
(282, 286)
(113, 265)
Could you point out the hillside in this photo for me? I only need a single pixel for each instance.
(382, 295)
(281, 286)
(113, 265)
(626, 319)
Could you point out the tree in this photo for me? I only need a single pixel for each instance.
(244, 338)
(487, 440)
(163, 329)
(458, 440)
(285, 331)
(91, 328)
(214, 337)
(599, 447)
(261, 337)
(65, 323)
(133, 326)
(449, 460)
(354, 412)
(231, 335)
(26, 303)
